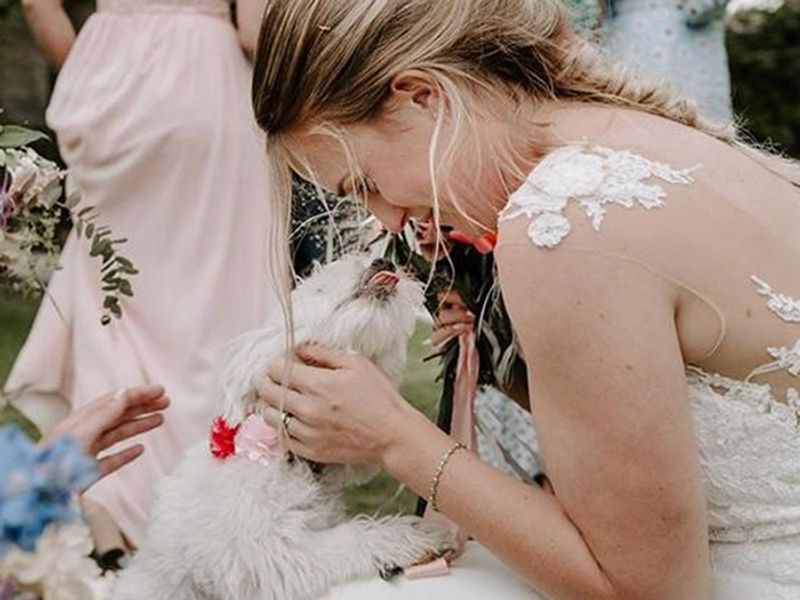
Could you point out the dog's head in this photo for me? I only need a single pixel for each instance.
(354, 304)
(373, 311)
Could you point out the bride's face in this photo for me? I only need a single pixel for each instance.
(390, 157)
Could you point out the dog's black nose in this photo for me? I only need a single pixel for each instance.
(383, 264)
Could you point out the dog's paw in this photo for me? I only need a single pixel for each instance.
(402, 541)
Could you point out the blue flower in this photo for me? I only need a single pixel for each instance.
(37, 486)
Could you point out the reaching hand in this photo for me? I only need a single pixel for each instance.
(110, 419)
(454, 318)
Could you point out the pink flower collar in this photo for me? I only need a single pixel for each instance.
(253, 439)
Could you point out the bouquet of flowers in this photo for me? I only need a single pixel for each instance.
(465, 264)
(44, 549)
(33, 206)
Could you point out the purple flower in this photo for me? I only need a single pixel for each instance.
(7, 206)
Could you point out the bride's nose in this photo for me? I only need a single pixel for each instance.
(391, 217)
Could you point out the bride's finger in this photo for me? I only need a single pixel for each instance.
(126, 430)
(304, 450)
(283, 398)
(295, 428)
(319, 356)
(293, 374)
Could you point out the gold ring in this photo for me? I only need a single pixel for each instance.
(286, 418)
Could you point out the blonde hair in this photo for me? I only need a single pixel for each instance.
(329, 63)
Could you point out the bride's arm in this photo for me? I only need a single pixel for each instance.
(51, 27)
(626, 518)
(248, 23)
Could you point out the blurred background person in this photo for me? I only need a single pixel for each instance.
(153, 119)
(680, 40)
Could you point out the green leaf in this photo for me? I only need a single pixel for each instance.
(14, 136)
(125, 287)
(116, 311)
(72, 200)
(90, 230)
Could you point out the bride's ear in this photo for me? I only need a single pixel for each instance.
(414, 89)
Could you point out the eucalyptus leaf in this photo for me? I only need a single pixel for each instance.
(125, 287)
(15, 136)
(72, 200)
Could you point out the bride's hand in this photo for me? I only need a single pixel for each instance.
(343, 409)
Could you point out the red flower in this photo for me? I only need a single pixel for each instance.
(221, 438)
(484, 244)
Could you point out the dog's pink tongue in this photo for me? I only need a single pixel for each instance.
(384, 279)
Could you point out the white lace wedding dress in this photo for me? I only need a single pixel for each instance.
(748, 438)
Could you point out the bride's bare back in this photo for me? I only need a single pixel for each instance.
(719, 237)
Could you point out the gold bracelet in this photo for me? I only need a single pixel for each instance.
(437, 476)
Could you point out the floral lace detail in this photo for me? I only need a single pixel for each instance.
(748, 444)
(785, 307)
(594, 177)
(758, 396)
(786, 358)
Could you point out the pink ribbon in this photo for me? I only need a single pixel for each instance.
(258, 441)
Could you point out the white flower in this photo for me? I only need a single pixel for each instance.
(33, 179)
(549, 229)
(60, 569)
(530, 201)
(569, 172)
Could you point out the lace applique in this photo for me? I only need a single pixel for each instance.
(592, 176)
(758, 396)
(782, 305)
(788, 358)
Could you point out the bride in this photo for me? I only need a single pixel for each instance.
(648, 262)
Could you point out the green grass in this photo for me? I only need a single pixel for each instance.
(379, 495)
(383, 494)
(16, 316)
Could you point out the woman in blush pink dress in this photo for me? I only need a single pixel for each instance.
(153, 118)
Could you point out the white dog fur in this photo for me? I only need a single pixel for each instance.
(235, 529)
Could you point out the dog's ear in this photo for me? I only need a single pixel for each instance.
(236, 409)
(249, 356)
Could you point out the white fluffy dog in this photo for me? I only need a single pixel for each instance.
(251, 527)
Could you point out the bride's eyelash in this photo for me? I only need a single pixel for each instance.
(365, 186)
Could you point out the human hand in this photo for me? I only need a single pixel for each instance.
(431, 242)
(332, 419)
(110, 419)
(454, 318)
